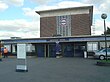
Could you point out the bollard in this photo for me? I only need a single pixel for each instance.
(85, 54)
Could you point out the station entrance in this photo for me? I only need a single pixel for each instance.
(71, 49)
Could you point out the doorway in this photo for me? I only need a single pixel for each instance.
(79, 49)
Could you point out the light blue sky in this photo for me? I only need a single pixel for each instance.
(18, 17)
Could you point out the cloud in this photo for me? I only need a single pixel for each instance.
(105, 7)
(7, 35)
(41, 1)
(19, 28)
(100, 5)
(93, 1)
(3, 6)
(31, 13)
(71, 4)
(14, 2)
(63, 4)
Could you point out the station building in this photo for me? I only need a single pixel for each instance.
(66, 21)
(70, 27)
(70, 46)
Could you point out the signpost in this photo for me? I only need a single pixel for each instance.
(104, 16)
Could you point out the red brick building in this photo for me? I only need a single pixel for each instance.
(66, 22)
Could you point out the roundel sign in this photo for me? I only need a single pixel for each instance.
(63, 22)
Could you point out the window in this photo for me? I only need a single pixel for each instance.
(92, 46)
(64, 25)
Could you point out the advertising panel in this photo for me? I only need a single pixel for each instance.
(21, 51)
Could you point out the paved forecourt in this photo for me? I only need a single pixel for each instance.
(54, 70)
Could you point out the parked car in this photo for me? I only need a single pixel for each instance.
(101, 54)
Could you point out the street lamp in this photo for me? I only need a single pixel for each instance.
(104, 16)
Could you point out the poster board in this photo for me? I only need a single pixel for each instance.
(21, 51)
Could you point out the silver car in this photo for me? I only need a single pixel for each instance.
(101, 54)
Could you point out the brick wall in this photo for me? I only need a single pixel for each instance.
(80, 25)
(47, 26)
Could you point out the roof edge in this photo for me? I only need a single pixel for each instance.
(40, 11)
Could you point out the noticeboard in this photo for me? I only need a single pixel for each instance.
(21, 51)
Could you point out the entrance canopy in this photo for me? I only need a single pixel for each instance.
(55, 39)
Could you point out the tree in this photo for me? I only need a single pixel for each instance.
(108, 31)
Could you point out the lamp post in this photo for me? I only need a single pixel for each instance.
(104, 16)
